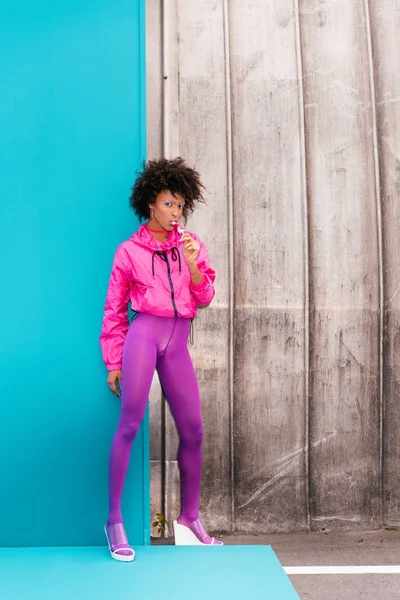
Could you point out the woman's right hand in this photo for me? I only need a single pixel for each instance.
(112, 379)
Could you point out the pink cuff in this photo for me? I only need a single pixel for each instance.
(198, 287)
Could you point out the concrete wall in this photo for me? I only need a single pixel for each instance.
(290, 110)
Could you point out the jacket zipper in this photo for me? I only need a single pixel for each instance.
(171, 285)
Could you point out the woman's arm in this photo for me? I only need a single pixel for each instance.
(201, 274)
(115, 320)
(196, 275)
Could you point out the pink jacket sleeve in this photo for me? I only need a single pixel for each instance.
(203, 292)
(115, 320)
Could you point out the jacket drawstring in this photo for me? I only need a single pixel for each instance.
(175, 255)
(164, 256)
(159, 253)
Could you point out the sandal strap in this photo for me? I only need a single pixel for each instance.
(119, 550)
(198, 529)
(116, 535)
(121, 547)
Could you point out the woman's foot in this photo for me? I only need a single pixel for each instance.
(118, 543)
(192, 533)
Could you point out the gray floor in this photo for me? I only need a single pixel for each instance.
(345, 548)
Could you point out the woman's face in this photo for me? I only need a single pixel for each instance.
(166, 209)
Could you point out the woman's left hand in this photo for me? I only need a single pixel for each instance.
(191, 249)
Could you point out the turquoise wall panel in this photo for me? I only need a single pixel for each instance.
(72, 136)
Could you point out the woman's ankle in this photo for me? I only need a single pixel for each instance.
(114, 519)
(187, 520)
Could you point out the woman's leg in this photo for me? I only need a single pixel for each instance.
(138, 367)
(178, 378)
(180, 385)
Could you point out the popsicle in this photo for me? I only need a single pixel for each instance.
(178, 228)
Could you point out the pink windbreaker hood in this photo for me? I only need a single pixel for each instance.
(154, 277)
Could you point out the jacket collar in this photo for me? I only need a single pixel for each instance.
(146, 239)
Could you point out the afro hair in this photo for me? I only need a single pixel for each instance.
(166, 174)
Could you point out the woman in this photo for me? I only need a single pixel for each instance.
(165, 276)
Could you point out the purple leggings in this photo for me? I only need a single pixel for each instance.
(158, 343)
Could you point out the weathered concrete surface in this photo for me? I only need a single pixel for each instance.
(385, 27)
(269, 399)
(344, 266)
(202, 106)
(198, 101)
(315, 146)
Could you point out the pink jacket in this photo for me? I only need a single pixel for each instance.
(155, 278)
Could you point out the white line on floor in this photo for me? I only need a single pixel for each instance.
(359, 570)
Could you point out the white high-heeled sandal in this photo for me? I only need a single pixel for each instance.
(184, 536)
(116, 538)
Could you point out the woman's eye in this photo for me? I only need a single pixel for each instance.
(181, 206)
(167, 203)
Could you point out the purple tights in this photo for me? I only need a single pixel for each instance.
(158, 343)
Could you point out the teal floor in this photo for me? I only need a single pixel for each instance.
(161, 572)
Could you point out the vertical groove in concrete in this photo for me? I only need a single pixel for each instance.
(166, 140)
(305, 254)
(380, 249)
(166, 79)
(230, 248)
